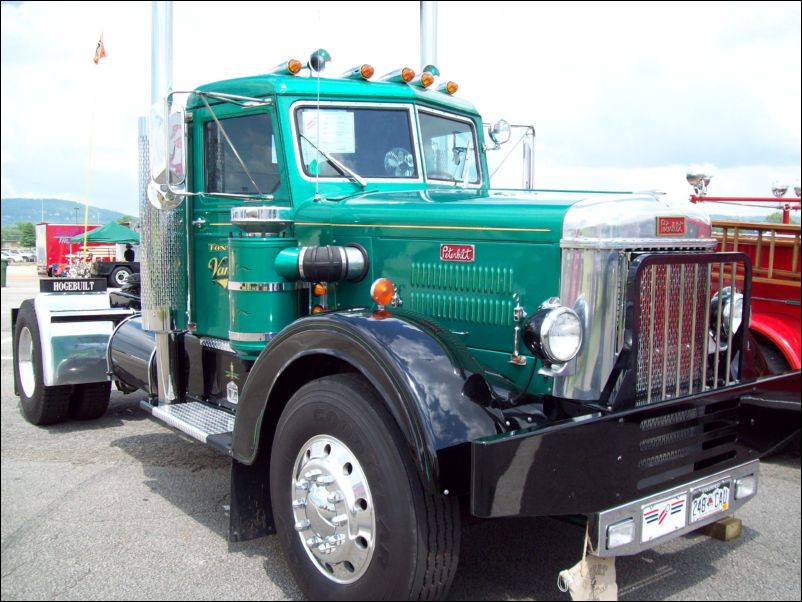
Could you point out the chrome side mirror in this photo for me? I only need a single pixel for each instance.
(168, 157)
(499, 132)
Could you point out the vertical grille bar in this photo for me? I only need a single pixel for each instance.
(680, 326)
(718, 322)
(653, 270)
(667, 296)
(693, 326)
(733, 269)
(705, 348)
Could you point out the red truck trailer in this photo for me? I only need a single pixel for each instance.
(53, 244)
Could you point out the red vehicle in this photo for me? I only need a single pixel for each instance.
(774, 250)
(53, 244)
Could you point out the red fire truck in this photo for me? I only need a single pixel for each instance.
(774, 250)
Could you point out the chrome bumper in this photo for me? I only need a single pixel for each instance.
(600, 523)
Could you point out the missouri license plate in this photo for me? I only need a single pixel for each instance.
(710, 500)
(663, 517)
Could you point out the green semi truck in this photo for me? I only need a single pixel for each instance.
(333, 296)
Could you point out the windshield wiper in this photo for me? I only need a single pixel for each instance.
(339, 166)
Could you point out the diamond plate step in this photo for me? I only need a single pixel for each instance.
(202, 422)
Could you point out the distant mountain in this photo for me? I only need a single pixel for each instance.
(56, 211)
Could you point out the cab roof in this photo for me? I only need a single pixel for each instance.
(331, 88)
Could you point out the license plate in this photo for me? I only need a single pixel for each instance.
(710, 500)
(663, 517)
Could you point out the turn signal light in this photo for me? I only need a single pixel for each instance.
(382, 291)
(317, 309)
(319, 289)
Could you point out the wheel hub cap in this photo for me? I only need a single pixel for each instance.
(25, 362)
(333, 509)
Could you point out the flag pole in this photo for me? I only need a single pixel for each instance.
(100, 52)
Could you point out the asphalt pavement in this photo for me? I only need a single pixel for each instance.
(125, 508)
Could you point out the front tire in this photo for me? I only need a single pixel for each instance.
(39, 404)
(352, 515)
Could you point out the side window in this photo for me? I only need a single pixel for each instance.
(449, 149)
(255, 171)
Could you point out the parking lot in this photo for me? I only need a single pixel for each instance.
(125, 508)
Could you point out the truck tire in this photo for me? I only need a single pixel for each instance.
(775, 360)
(39, 404)
(352, 515)
(90, 401)
(118, 276)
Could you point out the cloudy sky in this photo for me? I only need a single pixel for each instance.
(624, 96)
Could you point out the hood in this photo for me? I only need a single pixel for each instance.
(525, 215)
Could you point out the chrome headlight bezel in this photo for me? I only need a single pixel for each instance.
(548, 323)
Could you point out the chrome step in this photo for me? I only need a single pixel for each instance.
(200, 421)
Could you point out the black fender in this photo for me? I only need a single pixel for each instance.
(431, 385)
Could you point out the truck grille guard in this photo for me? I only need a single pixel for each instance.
(673, 348)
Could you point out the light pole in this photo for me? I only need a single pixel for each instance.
(75, 209)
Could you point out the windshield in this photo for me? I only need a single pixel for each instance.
(371, 142)
(449, 149)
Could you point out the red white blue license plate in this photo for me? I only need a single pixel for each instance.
(710, 500)
(663, 517)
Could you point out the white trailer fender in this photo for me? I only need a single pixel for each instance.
(74, 331)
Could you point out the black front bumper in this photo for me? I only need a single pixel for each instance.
(589, 464)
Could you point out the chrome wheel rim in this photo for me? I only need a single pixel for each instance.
(333, 509)
(27, 377)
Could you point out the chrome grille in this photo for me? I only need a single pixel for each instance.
(673, 327)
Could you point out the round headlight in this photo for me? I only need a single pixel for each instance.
(554, 334)
(730, 304)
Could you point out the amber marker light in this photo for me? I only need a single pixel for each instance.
(426, 79)
(317, 309)
(448, 87)
(319, 289)
(366, 71)
(291, 67)
(359, 72)
(407, 74)
(382, 291)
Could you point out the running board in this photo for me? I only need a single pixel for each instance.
(207, 424)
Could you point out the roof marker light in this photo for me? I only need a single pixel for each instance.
(290, 67)
(424, 80)
(404, 76)
(359, 72)
(448, 87)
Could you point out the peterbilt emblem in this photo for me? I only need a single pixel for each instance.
(671, 226)
(463, 253)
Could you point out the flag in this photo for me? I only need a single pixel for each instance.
(100, 51)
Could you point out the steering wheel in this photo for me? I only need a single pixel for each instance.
(398, 162)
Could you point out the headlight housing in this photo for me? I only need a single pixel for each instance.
(553, 333)
(731, 305)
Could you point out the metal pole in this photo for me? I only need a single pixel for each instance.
(428, 34)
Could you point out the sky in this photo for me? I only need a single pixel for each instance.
(623, 96)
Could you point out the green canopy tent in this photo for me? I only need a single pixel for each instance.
(110, 233)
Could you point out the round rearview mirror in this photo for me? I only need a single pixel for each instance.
(778, 189)
(499, 132)
(161, 198)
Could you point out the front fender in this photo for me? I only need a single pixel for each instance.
(782, 331)
(425, 376)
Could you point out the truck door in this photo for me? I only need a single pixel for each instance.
(236, 164)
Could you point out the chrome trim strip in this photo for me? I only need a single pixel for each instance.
(266, 287)
(641, 244)
(651, 332)
(680, 323)
(251, 337)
